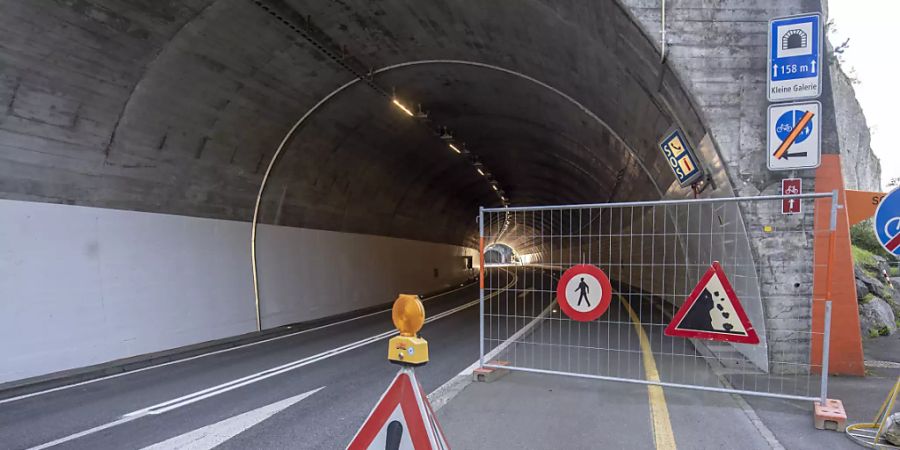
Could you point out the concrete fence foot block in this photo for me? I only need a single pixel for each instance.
(489, 374)
(830, 416)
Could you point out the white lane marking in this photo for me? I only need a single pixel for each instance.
(124, 419)
(259, 376)
(72, 437)
(212, 435)
(230, 349)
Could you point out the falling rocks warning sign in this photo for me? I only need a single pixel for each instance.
(713, 311)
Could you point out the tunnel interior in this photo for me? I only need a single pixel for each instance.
(572, 120)
(500, 254)
(381, 126)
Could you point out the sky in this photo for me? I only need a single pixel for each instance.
(872, 59)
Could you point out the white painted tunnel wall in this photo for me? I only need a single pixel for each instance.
(322, 273)
(82, 286)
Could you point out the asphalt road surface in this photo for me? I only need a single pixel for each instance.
(308, 390)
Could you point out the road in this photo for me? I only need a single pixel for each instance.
(313, 389)
(346, 361)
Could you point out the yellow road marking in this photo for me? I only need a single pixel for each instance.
(659, 412)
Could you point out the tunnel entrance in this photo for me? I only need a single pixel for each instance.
(496, 254)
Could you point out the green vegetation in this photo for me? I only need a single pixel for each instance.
(867, 298)
(878, 332)
(866, 261)
(863, 236)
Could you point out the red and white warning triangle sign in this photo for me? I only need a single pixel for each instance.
(401, 420)
(713, 311)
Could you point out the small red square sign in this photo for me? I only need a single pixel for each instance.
(791, 186)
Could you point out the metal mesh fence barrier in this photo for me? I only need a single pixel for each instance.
(654, 254)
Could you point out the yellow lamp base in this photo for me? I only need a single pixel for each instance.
(408, 351)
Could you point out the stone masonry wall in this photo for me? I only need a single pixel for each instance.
(718, 49)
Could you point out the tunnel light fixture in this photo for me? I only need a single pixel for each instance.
(445, 135)
(421, 114)
(405, 109)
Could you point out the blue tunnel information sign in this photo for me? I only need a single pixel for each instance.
(795, 63)
(681, 157)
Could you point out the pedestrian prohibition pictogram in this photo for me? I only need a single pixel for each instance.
(584, 293)
(402, 419)
(713, 312)
(887, 222)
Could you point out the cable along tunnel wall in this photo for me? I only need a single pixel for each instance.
(654, 254)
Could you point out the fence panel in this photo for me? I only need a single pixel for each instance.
(655, 253)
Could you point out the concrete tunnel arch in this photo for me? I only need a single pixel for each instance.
(639, 168)
(186, 103)
(290, 134)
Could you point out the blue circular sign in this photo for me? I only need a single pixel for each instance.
(785, 124)
(887, 222)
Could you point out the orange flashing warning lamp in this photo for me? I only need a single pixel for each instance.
(408, 349)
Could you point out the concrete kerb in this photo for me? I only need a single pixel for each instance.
(748, 410)
(446, 392)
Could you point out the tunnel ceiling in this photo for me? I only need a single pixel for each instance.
(178, 106)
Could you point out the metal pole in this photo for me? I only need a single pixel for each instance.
(826, 343)
(826, 332)
(834, 207)
(262, 188)
(481, 287)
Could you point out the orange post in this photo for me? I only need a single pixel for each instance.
(833, 278)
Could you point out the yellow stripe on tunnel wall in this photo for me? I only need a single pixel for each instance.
(659, 412)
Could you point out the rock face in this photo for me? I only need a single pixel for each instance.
(866, 283)
(879, 299)
(864, 172)
(861, 289)
(876, 317)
